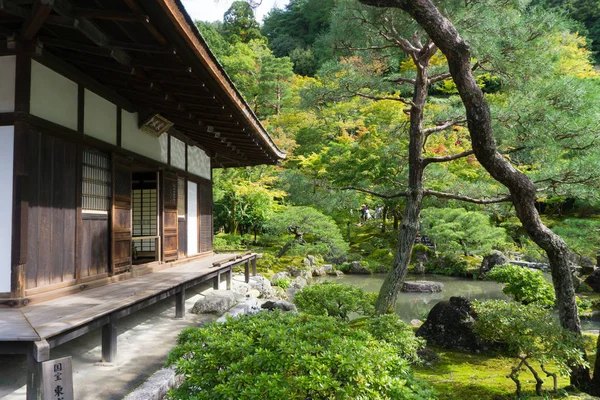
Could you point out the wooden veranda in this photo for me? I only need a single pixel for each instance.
(39, 327)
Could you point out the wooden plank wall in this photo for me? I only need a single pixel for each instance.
(95, 245)
(205, 212)
(52, 195)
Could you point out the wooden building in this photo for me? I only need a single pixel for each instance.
(113, 114)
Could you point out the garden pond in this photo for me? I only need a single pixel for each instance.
(417, 305)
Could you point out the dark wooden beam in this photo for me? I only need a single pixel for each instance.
(9, 7)
(40, 12)
(111, 15)
(100, 64)
(163, 66)
(80, 47)
(144, 48)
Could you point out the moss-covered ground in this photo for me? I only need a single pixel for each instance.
(462, 375)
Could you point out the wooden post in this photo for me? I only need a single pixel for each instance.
(217, 281)
(254, 266)
(229, 277)
(247, 271)
(40, 351)
(109, 341)
(180, 303)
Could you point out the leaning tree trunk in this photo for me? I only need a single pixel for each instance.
(522, 189)
(388, 294)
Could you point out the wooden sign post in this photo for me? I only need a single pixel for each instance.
(57, 379)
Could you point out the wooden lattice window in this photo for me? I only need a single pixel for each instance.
(144, 218)
(96, 185)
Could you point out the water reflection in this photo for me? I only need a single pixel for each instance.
(417, 305)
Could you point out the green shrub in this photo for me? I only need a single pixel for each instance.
(450, 265)
(274, 356)
(321, 235)
(227, 241)
(335, 300)
(531, 333)
(523, 284)
(283, 283)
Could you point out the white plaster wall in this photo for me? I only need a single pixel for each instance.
(53, 97)
(192, 221)
(6, 198)
(177, 153)
(8, 67)
(198, 162)
(142, 143)
(100, 118)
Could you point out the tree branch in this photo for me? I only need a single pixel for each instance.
(428, 192)
(451, 157)
(377, 98)
(443, 125)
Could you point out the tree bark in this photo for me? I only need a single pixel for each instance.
(388, 294)
(522, 189)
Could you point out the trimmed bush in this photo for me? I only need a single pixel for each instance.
(335, 300)
(274, 356)
(523, 284)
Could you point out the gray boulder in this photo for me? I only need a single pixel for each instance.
(491, 260)
(335, 273)
(587, 265)
(261, 284)
(310, 261)
(240, 288)
(303, 272)
(356, 267)
(328, 268)
(450, 325)
(299, 283)
(279, 276)
(247, 307)
(216, 302)
(319, 271)
(279, 305)
(422, 287)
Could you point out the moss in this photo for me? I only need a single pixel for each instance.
(461, 375)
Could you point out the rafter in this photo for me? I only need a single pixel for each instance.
(41, 11)
(111, 15)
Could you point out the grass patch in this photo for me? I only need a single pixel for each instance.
(462, 375)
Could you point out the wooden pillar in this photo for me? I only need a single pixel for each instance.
(180, 303)
(254, 266)
(229, 277)
(40, 352)
(109, 341)
(217, 281)
(247, 271)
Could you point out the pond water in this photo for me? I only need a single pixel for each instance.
(417, 305)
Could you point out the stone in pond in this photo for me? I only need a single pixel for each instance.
(422, 287)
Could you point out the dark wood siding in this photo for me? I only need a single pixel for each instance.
(205, 210)
(95, 245)
(52, 194)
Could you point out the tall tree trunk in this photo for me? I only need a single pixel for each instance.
(388, 294)
(522, 189)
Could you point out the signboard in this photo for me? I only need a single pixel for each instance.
(57, 379)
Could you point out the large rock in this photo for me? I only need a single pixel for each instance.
(335, 273)
(279, 276)
(587, 265)
(279, 305)
(310, 261)
(593, 280)
(247, 307)
(491, 260)
(299, 283)
(319, 271)
(216, 302)
(422, 287)
(296, 272)
(450, 325)
(240, 288)
(356, 267)
(261, 284)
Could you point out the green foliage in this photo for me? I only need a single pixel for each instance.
(582, 235)
(283, 283)
(321, 234)
(525, 285)
(450, 265)
(531, 332)
(456, 229)
(225, 241)
(275, 356)
(335, 300)
(239, 24)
